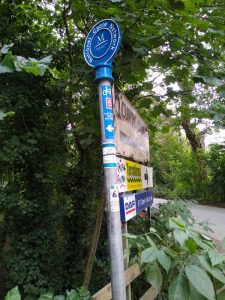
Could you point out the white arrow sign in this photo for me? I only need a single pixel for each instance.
(110, 128)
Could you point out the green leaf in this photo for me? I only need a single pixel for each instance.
(30, 69)
(164, 260)
(150, 241)
(5, 48)
(72, 295)
(212, 80)
(177, 223)
(201, 243)
(130, 236)
(3, 115)
(179, 288)
(46, 60)
(13, 294)
(221, 295)
(201, 281)
(152, 230)
(170, 252)
(4, 69)
(153, 275)
(223, 242)
(212, 270)
(47, 296)
(141, 50)
(205, 237)
(59, 297)
(180, 236)
(8, 61)
(148, 255)
(191, 245)
(195, 295)
(216, 258)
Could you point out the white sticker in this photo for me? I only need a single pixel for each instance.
(114, 199)
(146, 176)
(109, 159)
(121, 175)
(129, 206)
(109, 150)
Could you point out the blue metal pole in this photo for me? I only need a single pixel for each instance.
(104, 77)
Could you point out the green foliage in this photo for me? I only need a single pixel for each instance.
(176, 170)
(216, 163)
(79, 294)
(11, 63)
(13, 294)
(178, 259)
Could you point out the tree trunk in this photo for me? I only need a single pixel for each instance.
(197, 146)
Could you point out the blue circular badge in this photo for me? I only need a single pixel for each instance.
(102, 43)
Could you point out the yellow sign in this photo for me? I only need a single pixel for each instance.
(133, 176)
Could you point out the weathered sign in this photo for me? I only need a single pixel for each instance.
(133, 176)
(134, 203)
(131, 132)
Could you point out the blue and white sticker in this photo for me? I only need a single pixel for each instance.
(108, 148)
(127, 207)
(102, 43)
(109, 161)
(132, 204)
(107, 112)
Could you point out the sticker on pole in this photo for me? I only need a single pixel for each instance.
(107, 112)
(133, 204)
(102, 43)
(114, 199)
(133, 176)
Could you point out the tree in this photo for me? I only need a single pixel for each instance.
(50, 156)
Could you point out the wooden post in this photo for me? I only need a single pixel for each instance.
(126, 260)
(95, 238)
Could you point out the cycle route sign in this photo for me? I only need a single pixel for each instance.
(102, 43)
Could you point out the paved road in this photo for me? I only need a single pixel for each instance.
(214, 215)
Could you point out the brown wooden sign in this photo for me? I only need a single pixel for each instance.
(131, 132)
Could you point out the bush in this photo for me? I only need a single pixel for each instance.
(177, 258)
(79, 294)
(216, 164)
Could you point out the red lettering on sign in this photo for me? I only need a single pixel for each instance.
(108, 102)
(130, 210)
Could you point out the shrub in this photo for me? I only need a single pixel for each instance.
(177, 258)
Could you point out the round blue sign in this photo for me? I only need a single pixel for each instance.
(102, 43)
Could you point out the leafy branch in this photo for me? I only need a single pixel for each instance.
(177, 258)
(12, 63)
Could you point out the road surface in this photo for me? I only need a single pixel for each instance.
(214, 215)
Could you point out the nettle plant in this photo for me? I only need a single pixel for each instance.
(177, 258)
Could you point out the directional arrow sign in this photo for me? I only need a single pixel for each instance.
(107, 112)
(110, 128)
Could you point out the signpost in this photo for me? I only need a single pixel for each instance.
(125, 149)
(131, 132)
(133, 204)
(101, 46)
(133, 176)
